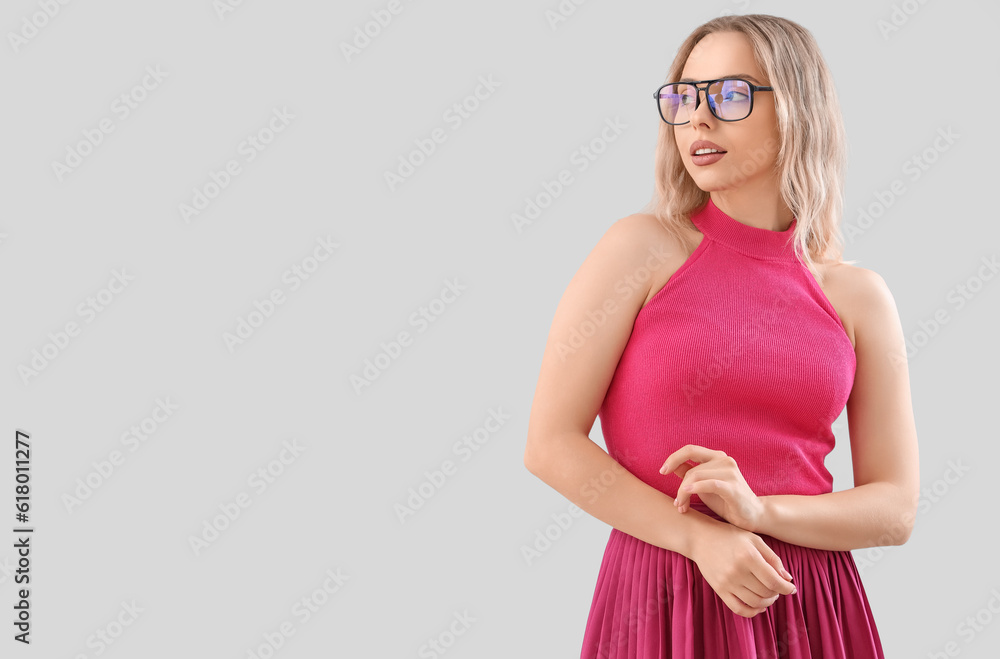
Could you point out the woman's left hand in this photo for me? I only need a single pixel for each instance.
(718, 482)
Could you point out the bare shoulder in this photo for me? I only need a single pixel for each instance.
(593, 323)
(861, 297)
(862, 288)
(656, 252)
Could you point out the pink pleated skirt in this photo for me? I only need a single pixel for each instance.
(652, 603)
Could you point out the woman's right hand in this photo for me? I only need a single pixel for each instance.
(740, 567)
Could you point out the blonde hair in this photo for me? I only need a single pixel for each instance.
(812, 158)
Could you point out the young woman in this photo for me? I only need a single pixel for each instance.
(718, 337)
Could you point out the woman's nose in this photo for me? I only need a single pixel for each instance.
(702, 111)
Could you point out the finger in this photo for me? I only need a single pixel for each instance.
(769, 570)
(685, 453)
(689, 473)
(740, 607)
(687, 488)
(713, 486)
(771, 579)
(683, 498)
(775, 561)
(711, 470)
(705, 471)
(758, 589)
(678, 466)
(683, 469)
(755, 601)
(689, 476)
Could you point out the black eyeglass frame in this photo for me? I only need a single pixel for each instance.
(697, 99)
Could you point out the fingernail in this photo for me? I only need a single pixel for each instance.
(794, 590)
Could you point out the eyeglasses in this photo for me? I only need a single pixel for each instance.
(729, 99)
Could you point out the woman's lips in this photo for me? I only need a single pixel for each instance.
(708, 158)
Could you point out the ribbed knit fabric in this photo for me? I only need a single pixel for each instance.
(742, 352)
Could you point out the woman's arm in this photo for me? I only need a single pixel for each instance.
(574, 378)
(881, 508)
(576, 467)
(604, 299)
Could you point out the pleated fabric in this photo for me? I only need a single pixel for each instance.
(653, 603)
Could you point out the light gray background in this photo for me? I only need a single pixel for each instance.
(332, 508)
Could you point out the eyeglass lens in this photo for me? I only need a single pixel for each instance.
(728, 99)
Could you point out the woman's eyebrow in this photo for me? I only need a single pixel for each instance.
(745, 76)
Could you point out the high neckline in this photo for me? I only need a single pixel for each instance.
(752, 241)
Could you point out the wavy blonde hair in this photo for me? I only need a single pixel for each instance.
(812, 159)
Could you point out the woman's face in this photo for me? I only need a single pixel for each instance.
(751, 145)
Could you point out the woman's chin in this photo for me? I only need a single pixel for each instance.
(710, 183)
